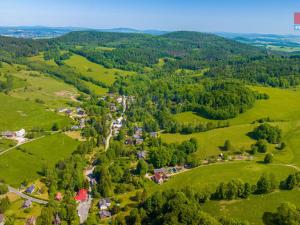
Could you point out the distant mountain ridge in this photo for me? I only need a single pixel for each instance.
(52, 32)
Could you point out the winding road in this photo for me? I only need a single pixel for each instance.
(22, 195)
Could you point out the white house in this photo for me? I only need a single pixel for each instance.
(21, 133)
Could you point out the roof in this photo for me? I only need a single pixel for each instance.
(104, 213)
(162, 170)
(82, 195)
(27, 203)
(104, 201)
(58, 196)
(157, 176)
(30, 189)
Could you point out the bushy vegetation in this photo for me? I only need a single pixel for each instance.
(268, 132)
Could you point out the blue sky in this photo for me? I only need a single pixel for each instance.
(247, 16)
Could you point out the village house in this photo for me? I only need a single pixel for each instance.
(82, 195)
(58, 196)
(82, 123)
(27, 204)
(104, 203)
(139, 141)
(158, 178)
(129, 141)
(8, 134)
(21, 133)
(57, 220)
(104, 214)
(153, 134)
(141, 155)
(31, 221)
(69, 112)
(2, 219)
(120, 100)
(30, 189)
(74, 128)
(80, 111)
(113, 107)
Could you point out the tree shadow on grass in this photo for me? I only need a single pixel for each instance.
(268, 218)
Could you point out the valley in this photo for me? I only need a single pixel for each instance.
(91, 119)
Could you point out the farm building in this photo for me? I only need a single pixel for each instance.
(82, 195)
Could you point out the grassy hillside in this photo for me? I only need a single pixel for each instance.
(208, 177)
(17, 113)
(26, 161)
(253, 208)
(95, 71)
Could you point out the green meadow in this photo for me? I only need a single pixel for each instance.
(54, 92)
(17, 113)
(25, 162)
(252, 209)
(208, 177)
(95, 71)
(282, 107)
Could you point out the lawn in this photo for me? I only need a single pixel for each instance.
(253, 208)
(96, 89)
(17, 113)
(95, 71)
(208, 177)
(26, 162)
(5, 144)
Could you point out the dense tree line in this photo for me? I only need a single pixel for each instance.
(174, 207)
(267, 132)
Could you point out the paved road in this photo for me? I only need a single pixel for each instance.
(15, 191)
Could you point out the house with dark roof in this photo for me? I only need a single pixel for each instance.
(141, 155)
(27, 204)
(30, 189)
(104, 203)
(82, 195)
(104, 214)
(8, 134)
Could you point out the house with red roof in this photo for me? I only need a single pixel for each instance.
(82, 195)
(58, 196)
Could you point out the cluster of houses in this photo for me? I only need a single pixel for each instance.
(117, 125)
(160, 176)
(104, 205)
(77, 114)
